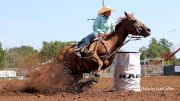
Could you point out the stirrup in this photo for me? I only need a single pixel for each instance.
(77, 49)
(78, 53)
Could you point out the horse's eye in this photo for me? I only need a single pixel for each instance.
(140, 28)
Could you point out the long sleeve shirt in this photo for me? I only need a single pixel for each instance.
(103, 25)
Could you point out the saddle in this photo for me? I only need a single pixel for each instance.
(82, 52)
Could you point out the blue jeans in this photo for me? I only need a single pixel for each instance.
(85, 41)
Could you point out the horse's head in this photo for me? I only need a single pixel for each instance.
(135, 27)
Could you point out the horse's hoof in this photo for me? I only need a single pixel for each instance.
(78, 54)
(85, 80)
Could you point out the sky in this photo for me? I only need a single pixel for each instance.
(30, 22)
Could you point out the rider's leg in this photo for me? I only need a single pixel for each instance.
(87, 39)
(84, 42)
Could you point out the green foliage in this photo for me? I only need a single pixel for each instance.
(144, 52)
(2, 57)
(17, 56)
(157, 49)
(165, 45)
(177, 61)
(51, 49)
(153, 50)
(12, 58)
(23, 50)
(26, 56)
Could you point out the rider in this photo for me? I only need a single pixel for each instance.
(102, 27)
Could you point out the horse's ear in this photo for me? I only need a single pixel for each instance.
(126, 14)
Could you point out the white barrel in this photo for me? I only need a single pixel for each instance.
(126, 71)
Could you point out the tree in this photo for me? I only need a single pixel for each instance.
(144, 53)
(156, 48)
(2, 57)
(22, 57)
(165, 45)
(51, 49)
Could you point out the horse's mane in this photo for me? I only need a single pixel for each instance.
(119, 22)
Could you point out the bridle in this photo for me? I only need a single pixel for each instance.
(137, 29)
(132, 37)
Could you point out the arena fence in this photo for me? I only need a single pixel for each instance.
(13, 73)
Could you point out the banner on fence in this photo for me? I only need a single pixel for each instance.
(7, 73)
(177, 69)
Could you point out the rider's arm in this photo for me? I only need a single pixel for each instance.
(112, 26)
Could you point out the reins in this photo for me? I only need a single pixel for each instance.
(131, 38)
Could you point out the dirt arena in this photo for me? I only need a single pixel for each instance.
(153, 89)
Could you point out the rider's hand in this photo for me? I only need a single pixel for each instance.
(101, 36)
(108, 35)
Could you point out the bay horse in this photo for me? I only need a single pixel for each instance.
(76, 66)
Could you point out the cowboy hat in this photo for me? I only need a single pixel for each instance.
(104, 9)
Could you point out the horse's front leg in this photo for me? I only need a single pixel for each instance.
(92, 52)
(100, 62)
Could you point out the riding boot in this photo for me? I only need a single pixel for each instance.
(78, 52)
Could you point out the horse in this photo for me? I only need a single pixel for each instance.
(98, 58)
